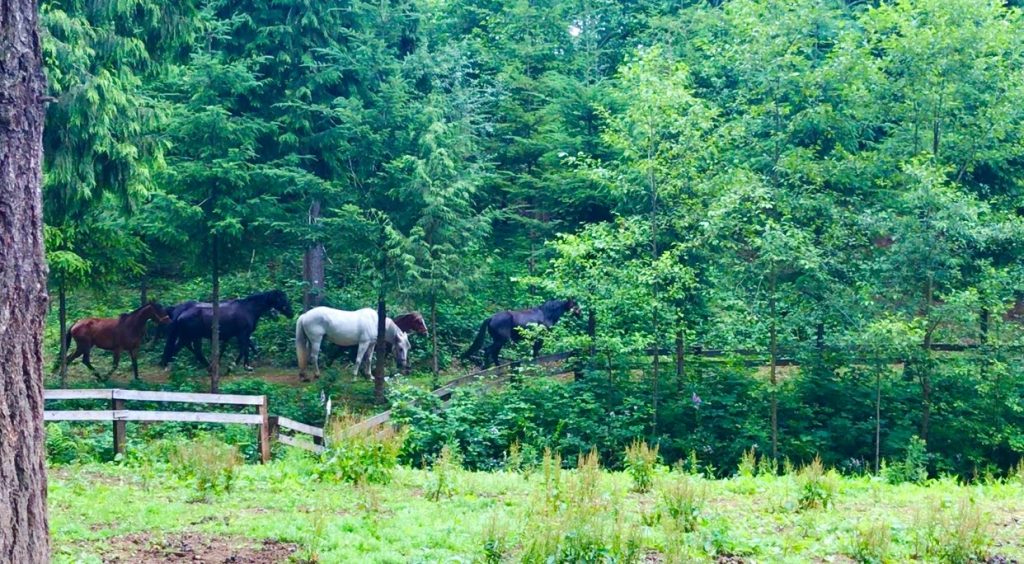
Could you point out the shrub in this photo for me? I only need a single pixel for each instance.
(572, 520)
(209, 462)
(914, 466)
(816, 485)
(1017, 473)
(367, 455)
(747, 467)
(641, 463)
(682, 502)
(443, 474)
(961, 534)
(496, 543)
(872, 542)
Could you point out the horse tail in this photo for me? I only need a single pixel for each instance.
(301, 345)
(479, 342)
(67, 339)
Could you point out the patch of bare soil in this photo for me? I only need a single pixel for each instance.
(143, 548)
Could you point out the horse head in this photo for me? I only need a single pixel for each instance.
(279, 301)
(412, 322)
(402, 347)
(157, 313)
(572, 307)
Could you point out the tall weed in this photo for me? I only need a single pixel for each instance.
(817, 487)
(209, 462)
(573, 520)
(641, 463)
(360, 455)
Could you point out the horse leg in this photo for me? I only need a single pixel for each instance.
(134, 354)
(117, 361)
(244, 344)
(491, 352)
(360, 356)
(536, 347)
(86, 360)
(314, 354)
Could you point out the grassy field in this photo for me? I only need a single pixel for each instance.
(283, 512)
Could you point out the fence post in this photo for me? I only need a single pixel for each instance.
(120, 425)
(264, 432)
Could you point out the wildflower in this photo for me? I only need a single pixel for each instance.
(696, 400)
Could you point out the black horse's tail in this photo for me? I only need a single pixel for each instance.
(67, 339)
(479, 342)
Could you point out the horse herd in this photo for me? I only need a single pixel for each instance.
(189, 323)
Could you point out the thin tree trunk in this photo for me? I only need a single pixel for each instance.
(652, 179)
(313, 272)
(62, 315)
(215, 325)
(143, 291)
(435, 367)
(878, 418)
(591, 337)
(380, 349)
(774, 369)
(24, 535)
(925, 370)
(680, 353)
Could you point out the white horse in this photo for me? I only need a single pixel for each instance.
(345, 328)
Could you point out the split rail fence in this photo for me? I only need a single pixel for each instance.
(270, 426)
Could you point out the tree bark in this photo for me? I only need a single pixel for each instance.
(313, 271)
(215, 324)
(24, 535)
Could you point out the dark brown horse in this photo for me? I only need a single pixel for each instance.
(411, 322)
(117, 334)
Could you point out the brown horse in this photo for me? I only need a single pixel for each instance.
(117, 334)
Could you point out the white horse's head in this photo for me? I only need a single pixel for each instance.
(402, 347)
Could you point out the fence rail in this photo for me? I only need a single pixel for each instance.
(269, 426)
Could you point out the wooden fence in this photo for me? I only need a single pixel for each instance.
(269, 426)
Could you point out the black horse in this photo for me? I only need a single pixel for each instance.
(192, 321)
(504, 327)
(162, 332)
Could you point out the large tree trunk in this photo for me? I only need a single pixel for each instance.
(313, 265)
(24, 535)
(215, 325)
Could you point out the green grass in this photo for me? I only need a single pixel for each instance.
(490, 516)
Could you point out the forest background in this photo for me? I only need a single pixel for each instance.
(832, 189)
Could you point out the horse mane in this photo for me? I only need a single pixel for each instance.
(551, 305)
(134, 311)
(261, 295)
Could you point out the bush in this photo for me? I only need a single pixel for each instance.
(872, 542)
(914, 466)
(496, 543)
(641, 463)
(682, 502)
(960, 534)
(209, 462)
(443, 474)
(817, 486)
(368, 455)
(574, 521)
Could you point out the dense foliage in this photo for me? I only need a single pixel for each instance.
(832, 187)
